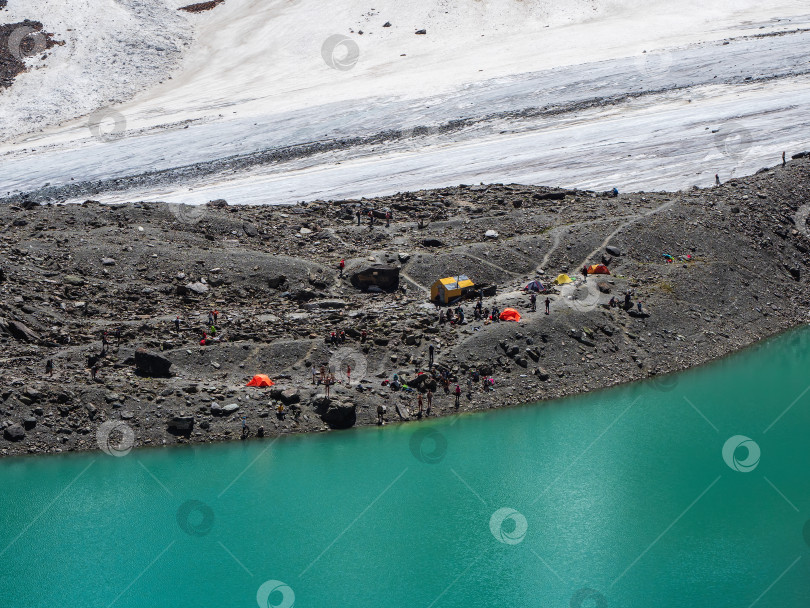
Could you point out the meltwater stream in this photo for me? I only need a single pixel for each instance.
(624, 497)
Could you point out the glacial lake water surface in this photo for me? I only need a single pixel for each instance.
(624, 497)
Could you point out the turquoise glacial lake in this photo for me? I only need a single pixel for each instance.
(692, 490)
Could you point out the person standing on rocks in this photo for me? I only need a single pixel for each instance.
(639, 306)
(358, 217)
(430, 357)
(387, 219)
(585, 272)
(348, 374)
(342, 265)
(419, 404)
(716, 179)
(118, 337)
(380, 412)
(177, 324)
(548, 304)
(314, 375)
(49, 367)
(458, 396)
(215, 312)
(784, 160)
(210, 317)
(104, 341)
(533, 300)
(429, 401)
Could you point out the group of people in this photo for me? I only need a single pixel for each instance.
(370, 214)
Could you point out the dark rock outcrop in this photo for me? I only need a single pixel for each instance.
(151, 364)
(378, 275)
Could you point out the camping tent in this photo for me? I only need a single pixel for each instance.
(445, 290)
(534, 286)
(562, 279)
(598, 269)
(260, 380)
(509, 314)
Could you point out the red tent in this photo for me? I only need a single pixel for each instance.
(509, 314)
(598, 269)
(260, 380)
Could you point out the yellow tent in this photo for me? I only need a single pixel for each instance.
(562, 279)
(447, 289)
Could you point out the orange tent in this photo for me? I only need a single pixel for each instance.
(598, 269)
(260, 380)
(509, 314)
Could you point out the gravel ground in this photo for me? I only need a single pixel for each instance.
(71, 272)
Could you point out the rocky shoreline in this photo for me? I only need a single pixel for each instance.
(737, 274)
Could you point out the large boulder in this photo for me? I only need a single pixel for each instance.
(181, 425)
(377, 275)
(151, 364)
(15, 432)
(18, 330)
(340, 415)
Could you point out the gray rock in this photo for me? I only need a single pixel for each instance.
(197, 287)
(230, 408)
(152, 364)
(614, 251)
(15, 432)
(181, 425)
(108, 261)
(340, 415)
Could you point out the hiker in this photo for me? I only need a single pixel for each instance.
(216, 314)
(49, 367)
(210, 317)
(495, 317)
(118, 337)
(615, 192)
(322, 379)
(585, 272)
(94, 371)
(533, 300)
(429, 401)
(104, 341)
(612, 302)
(628, 304)
(348, 374)
(370, 219)
(716, 179)
(430, 356)
(460, 314)
(380, 412)
(639, 306)
(342, 337)
(441, 318)
(358, 217)
(280, 411)
(363, 336)
(784, 161)
(458, 396)
(342, 265)
(203, 342)
(387, 219)
(548, 303)
(327, 384)
(213, 330)
(314, 375)
(419, 404)
(177, 324)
